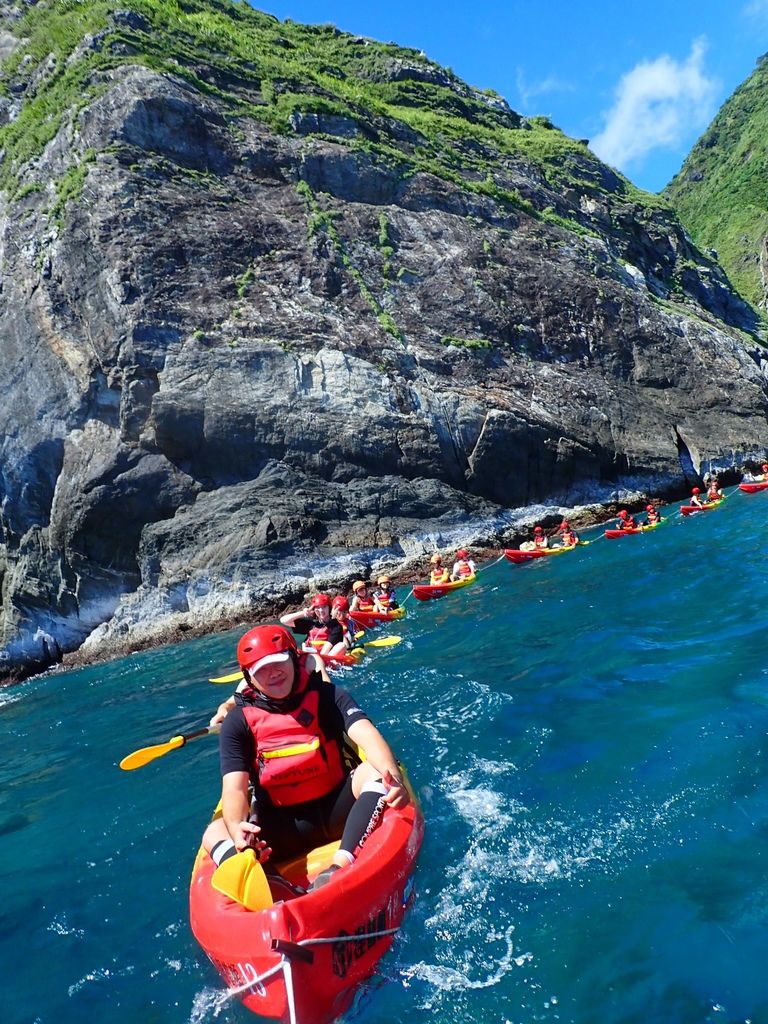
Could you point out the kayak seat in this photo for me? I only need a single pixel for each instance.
(303, 869)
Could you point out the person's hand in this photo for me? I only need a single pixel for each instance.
(247, 837)
(397, 795)
(221, 713)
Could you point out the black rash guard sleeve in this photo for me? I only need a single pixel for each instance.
(337, 711)
(237, 748)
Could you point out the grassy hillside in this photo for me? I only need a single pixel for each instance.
(721, 193)
(395, 102)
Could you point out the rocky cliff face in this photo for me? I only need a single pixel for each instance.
(259, 326)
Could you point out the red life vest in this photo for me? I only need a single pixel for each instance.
(295, 761)
(383, 597)
(365, 604)
(541, 542)
(464, 570)
(713, 495)
(438, 576)
(318, 636)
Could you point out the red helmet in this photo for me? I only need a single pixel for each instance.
(565, 525)
(696, 490)
(461, 553)
(649, 508)
(340, 602)
(764, 467)
(265, 644)
(623, 514)
(537, 529)
(321, 601)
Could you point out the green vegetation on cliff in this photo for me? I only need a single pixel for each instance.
(721, 193)
(379, 97)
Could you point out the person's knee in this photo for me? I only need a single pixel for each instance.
(215, 832)
(365, 773)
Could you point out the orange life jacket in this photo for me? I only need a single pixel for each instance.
(464, 569)
(295, 761)
(438, 576)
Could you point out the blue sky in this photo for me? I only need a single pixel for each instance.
(640, 80)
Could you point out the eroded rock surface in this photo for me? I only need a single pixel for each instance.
(236, 358)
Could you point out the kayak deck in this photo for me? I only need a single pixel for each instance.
(518, 557)
(433, 591)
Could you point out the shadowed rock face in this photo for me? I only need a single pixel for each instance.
(236, 354)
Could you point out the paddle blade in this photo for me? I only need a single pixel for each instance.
(384, 641)
(233, 677)
(242, 879)
(141, 757)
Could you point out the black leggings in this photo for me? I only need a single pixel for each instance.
(296, 829)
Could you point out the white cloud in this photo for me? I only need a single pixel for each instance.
(658, 104)
(529, 90)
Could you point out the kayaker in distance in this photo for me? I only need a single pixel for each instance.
(340, 612)
(653, 515)
(570, 539)
(463, 567)
(540, 540)
(713, 491)
(323, 633)
(626, 521)
(385, 595)
(695, 497)
(439, 573)
(307, 797)
(363, 600)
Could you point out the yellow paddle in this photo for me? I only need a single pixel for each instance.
(141, 757)
(242, 879)
(233, 677)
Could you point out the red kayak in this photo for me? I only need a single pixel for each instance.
(301, 960)
(348, 659)
(369, 619)
(613, 534)
(755, 487)
(432, 591)
(518, 557)
(689, 510)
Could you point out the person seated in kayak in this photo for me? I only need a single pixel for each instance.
(439, 572)
(384, 596)
(363, 600)
(570, 539)
(696, 497)
(764, 471)
(463, 567)
(286, 784)
(540, 539)
(713, 491)
(626, 521)
(654, 516)
(323, 633)
(340, 613)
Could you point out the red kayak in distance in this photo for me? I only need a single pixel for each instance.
(518, 557)
(368, 619)
(349, 659)
(754, 487)
(690, 510)
(613, 534)
(432, 591)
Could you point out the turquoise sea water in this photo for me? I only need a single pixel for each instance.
(587, 734)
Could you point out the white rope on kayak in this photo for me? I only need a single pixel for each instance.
(347, 938)
(284, 967)
(409, 594)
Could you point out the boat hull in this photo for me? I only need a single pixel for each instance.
(431, 592)
(327, 941)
